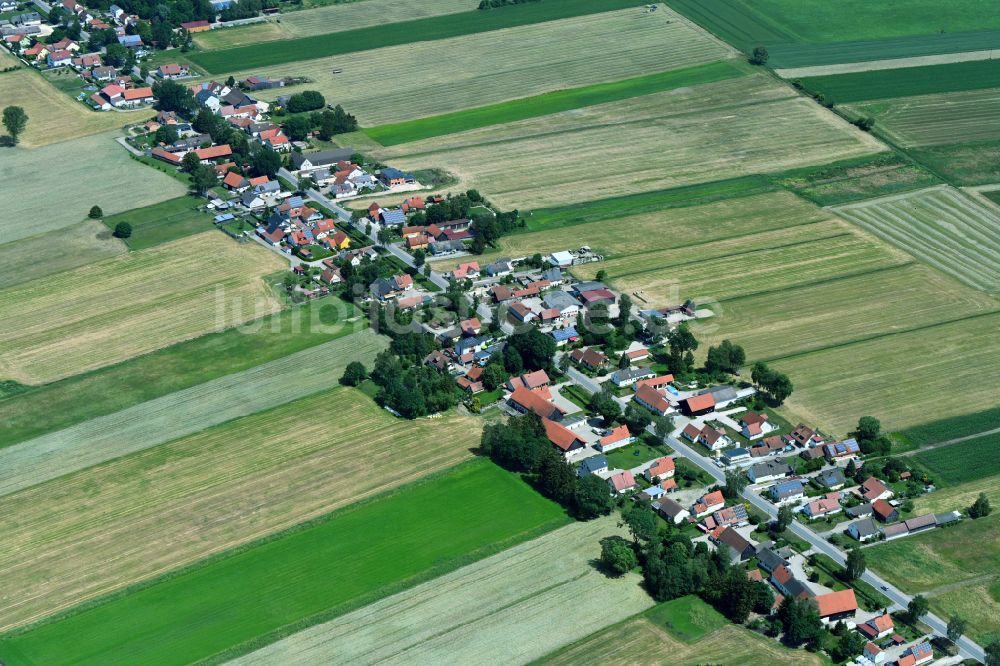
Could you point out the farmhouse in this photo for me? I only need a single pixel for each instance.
(392, 177)
(524, 401)
(884, 511)
(589, 358)
(651, 399)
(789, 585)
(629, 376)
(304, 163)
(563, 438)
(740, 549)
(698, 405)
(873, 489)
(196, 26)
(837, 606)
(530, 380)
(877, 627)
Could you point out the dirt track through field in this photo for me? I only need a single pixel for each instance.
(183, 412)
(510, 608)
(890, 63)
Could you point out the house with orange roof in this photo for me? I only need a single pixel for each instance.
(698, 404)
(525, 400)
(754, 425)
(622, 482)
(873, 489)
(708, 504)
(235, 181)
(206, 155)
(615, 439)
(877, 627)
(135, 97)
(652, 399)
(531, 380)
(166, 156)
(837, 606)
(468, 270)
(564, 439)
(825, 506)
(660, 469)
(472, 381)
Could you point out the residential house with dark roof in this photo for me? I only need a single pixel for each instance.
(787, 491)
(629, 376)
(592, 465)
(863, 530)
(832, 479)
(671, 510)
(740, 549)
(589, 358)
(768, 471)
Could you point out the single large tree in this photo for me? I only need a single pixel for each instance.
(617, 556)
(855, 564)
(980, 508)
(785, 518)
(15, 119)
(917, 607)
(956, 627)
(592, 498)
(993, 652)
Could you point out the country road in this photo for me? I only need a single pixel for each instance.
(967, 648)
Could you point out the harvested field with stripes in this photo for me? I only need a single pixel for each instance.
(415, 80)
(78, 245)
(932, 120)
(954, 367)
(940, 226)
(843, 310)
(58, 175)
(709, 132)
(906, 81)
(113, 525)
(513, 607)
(330, 19)
(183, 412)
(636, 235)
(112, 310)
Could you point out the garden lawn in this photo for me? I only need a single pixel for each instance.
(681, 632)
(107, 527)
(400, 33)
(69, 178)
(39, 256)
(163, 222)
(70, 401)
(553, 102)
(358, 554)
(626, 458)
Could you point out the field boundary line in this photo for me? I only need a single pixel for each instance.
(890, 197)
(814, 283)
(883, 64)
(948, 442)
(880, 336)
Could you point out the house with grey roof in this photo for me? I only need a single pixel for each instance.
(863, 530)
(787, 491)
(629, 376)
(592, 465)
(770, 559)
(562, 301)
(860, 511)
(768, 471)
(305, 162)
(832, 479)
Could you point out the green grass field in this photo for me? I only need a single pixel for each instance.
(857, 179)
(975, 163)
(688, 618)
(403, 32)
(942, 227)
(953, 464)
(907, 81)
(70, 401)
(358, 554)
(162, 222)
(962, 426)
(747, 23)
(553, 102)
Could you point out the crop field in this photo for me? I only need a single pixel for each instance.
(61, 404)
(108, 527)
(673, 229)
(652, 639)
(511, 608)
(907, 81)
(709, 132)
(321, 569)
(940, 226)
(329, 19)
(956, 568)
(861, 178)
(73, 322)
(57, 175)
(163, 222)
(973, 163)
(946, 429)
(402, 33)
(415, 81)
(936, 48)
(766, 262)
(950, 464)
(553, 102)
(53, 116)
(933, 120)
(184, 412)
(814, 21)
(839, 311)
(39, 256)
(954, 364)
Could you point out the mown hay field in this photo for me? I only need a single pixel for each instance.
(183, 412)
(905, 379)
(403, 33)
(635, 235)
(358, 554)
(841, 310)
(710, 132)
(415, 80)
(327, 20)
(942, 227)
(956, 568)
(71, 401)
(69, 178)
(107, 527)
(39, 256)
(511, 608)
(933, 120)
(644, 640)
(53, 116)
(112, 310)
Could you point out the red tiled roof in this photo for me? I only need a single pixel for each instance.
(617, 435)
(561, 436)
(163, 154)
(699, 402)
(662, 466)
(213, 152)
(533, 402)
(233, 179)
(622, 481)
(836, 602)
(138, 93)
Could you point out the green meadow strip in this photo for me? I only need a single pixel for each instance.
(906, 81)
(553, 102)
(254, 595)
(405, 32)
